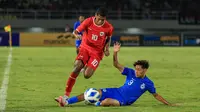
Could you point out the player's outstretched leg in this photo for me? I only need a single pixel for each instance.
(72, 79)
(75, 99)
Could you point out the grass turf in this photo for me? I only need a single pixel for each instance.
(39, 74)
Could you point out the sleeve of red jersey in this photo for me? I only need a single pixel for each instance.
(83, 25)
(110, 31)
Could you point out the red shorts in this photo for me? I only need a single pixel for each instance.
(88, 58)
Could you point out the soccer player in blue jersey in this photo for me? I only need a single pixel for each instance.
(135, 85)
(76, 24)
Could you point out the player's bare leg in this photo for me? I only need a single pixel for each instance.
(77, 50)
(110, 102)
(78, 65)
(88, 72)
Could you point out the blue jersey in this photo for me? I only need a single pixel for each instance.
(78, 42)
(76, 24)
(134, 87)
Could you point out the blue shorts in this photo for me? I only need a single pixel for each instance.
(113, 94)
(78, 43)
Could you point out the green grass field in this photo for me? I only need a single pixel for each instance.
(38, 75)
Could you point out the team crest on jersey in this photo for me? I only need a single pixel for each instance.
(104, 90)
(142, 86)
(101, 33)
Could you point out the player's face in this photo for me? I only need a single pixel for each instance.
(140, 72)
(81, 18)
(99, 20)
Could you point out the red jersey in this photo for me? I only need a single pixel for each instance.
(94, 36)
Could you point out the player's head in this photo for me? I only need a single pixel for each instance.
(100, 16)
(81, 18)
(141, 67)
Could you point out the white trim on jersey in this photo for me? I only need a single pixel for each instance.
(96, 24)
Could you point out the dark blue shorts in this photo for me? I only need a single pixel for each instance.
(78, 43)
(113, 94)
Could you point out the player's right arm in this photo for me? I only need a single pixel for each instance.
(75, 32)
(151, 88)
(75, 25)
(68, 34)
(83, 26)
(115, 58)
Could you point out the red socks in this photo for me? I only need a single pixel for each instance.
(70, 83)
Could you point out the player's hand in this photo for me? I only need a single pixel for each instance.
(117, 46)
(174, 105)
(107, 53)
(78, 37)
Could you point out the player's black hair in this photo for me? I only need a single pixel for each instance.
(80, 16)
(102, 11)
(143, 63)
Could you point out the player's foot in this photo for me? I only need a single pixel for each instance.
(65, 97)
(62, 101)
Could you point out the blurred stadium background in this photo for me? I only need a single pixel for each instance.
(148, 22)
(38, 73)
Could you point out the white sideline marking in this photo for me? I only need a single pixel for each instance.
(4, 86)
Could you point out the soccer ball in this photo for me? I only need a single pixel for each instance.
(92, 95)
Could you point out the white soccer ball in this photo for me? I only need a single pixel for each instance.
(92, 95)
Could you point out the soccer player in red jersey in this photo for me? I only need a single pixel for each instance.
(95, 43)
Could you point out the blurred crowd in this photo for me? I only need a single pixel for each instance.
(30, 4)
(118, 5)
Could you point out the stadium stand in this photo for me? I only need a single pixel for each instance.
(68, 9)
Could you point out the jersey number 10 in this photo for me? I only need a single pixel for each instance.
(94, 37)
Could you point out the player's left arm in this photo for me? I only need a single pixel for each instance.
(107, 45)
(152, 90)
(108, 41)
(161, 99)
(81, 27)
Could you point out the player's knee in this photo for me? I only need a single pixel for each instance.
(106, 102)
(110, 102)
(78, 66)
(87, 76)
(88, 73)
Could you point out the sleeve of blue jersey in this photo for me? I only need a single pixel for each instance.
(127, 71)
(75, 25)
(151, 87)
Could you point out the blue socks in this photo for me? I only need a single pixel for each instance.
(72, 100)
